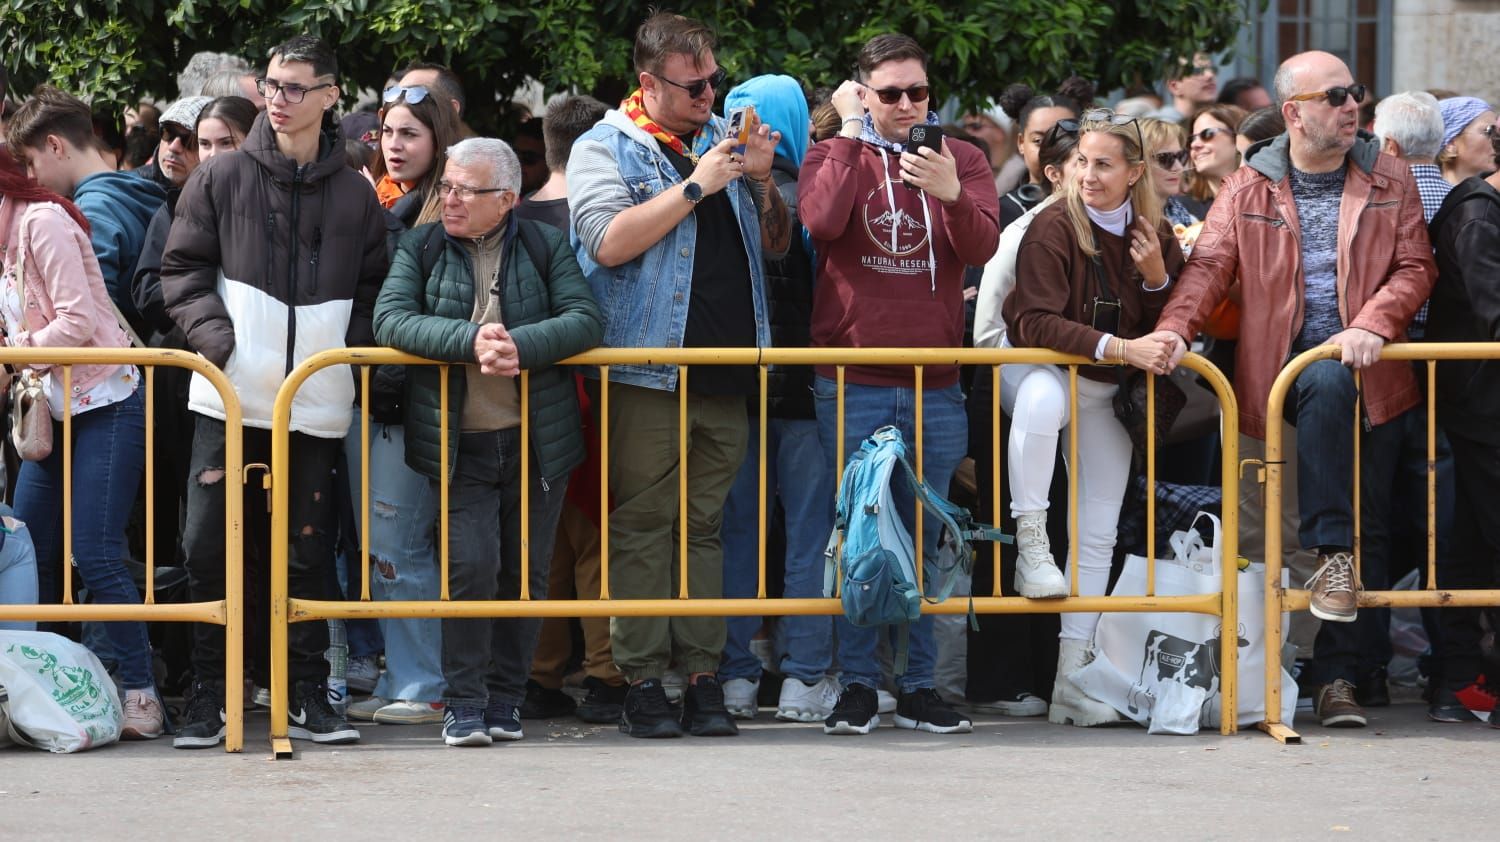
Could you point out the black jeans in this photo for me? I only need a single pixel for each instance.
(309, 564)
(1475, 551)
(489, 659)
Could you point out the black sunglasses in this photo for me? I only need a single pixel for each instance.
(891, 96)
(172, 131)
(1208, 134)
(1102, 115)
(695, 87)
(1165, 160)
(1335, 96)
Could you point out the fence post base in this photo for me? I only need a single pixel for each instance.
(281, 748)
(1283, 734)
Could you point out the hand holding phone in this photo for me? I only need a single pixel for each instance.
(743, 122)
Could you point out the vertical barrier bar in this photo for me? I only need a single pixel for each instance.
(1432, 475)
(280, 547)
(995, 474)
(149, 372)
(234, 574)
(1358, 549)
(1275, 593)
(447, 479)
(682, 484)
(921, 562)
(760, 507)
(365, 512)
(525, 486)
(1229, 553)
(67, 442)
(1072, 480)
(838, 465)
(604, 482)
(1150, 484)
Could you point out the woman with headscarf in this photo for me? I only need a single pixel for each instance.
(1468, 127)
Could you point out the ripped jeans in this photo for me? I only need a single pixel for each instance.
(309, 564)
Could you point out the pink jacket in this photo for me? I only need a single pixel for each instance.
(66, 303)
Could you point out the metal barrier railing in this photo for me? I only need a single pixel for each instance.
(286, 609)
(227, 612)
(1280, 599)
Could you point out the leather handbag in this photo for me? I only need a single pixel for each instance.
(30, 417)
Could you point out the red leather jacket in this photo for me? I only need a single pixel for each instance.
(1385, 271)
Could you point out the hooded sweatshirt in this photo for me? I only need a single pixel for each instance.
(119, 207)
(891, 258)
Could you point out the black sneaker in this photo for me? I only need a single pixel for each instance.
(858, 712)
(703, 711)
(602, 705)
(464, 726)
(1373, 691)
(646, 712)
(1446, 707)
(547, 702)
(925, 710)
(503, 721)
(203, 721)
(312, 718)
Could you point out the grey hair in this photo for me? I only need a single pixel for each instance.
(1285, 83)
(204, 66)
(1414, 121)
(224, 83)
(505, 167)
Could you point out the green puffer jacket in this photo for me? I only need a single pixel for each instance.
(430, 317)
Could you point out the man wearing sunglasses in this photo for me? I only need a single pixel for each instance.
(277, 252)
(893, 227)
(1325, 238)
(1193, 87)
(671, 223)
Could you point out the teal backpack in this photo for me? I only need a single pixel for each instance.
(874, 549)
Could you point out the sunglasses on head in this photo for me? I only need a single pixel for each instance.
(696, 87)
(1165, 160)
(891, 96)
(1101, 115)
(414, 94)
(1208, 134)
(1335, 96)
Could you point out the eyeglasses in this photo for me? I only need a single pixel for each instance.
(414, 94)
(1102, 115)
(1335, 96)
(1165, 160)
(891, 96)
(1208, 134)
(294, 94)
(172, 132)
(695, 88)
(464, 192)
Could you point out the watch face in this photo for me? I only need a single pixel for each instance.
(693, 191)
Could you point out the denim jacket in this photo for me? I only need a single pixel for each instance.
(616, 166)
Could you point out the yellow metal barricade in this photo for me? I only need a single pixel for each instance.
(227, 612)
(286, 609)
(1280, 599)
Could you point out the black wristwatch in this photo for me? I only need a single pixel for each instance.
(692, 191)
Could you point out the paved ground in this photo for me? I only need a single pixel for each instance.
(1402, 777)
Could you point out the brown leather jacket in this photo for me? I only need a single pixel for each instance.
(1385, 271)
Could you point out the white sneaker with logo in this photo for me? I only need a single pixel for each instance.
(801, 702)
(741, 697)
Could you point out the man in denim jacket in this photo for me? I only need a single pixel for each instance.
(670, 219)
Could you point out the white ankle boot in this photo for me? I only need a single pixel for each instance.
(1037, 576)
(1069, 704)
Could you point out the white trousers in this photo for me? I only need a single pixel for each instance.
(1036, 397)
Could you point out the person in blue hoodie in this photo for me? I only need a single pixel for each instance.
(54, 134)
(794, 457)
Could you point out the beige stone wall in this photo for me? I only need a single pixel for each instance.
(1447, 44)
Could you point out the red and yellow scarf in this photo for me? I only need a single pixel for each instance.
(634, 107)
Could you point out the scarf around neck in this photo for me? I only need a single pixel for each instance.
(634, 107)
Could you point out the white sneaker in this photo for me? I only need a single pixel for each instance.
(361, 674)
(143, 716)
(1070, 705)
(807, 702)
(741, 697)
(410, 713)
(673, 681)
(364, 711)
(884, 702)
(1037, 576)
(261, 697)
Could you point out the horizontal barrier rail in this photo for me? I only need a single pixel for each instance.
(288, 609)
(227, 612)
(1281, 599)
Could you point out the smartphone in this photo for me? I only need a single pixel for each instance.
(742, 123)
(1106, 315)
(924, 135)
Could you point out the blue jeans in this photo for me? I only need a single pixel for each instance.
(109, 456)
(17, 571)
(797, 471)
(403, 561)
(946, 431)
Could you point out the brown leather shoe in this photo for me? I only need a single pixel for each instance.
(1336, 706)
(1335, 588)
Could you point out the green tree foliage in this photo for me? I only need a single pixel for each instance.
(117, 50)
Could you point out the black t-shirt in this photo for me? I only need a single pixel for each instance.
(721, 313)
(552, 212)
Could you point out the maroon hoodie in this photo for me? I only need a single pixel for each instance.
(877, 285)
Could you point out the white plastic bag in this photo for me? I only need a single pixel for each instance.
(1140, 653)
(61, 698)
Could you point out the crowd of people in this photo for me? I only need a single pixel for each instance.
(255, 229)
